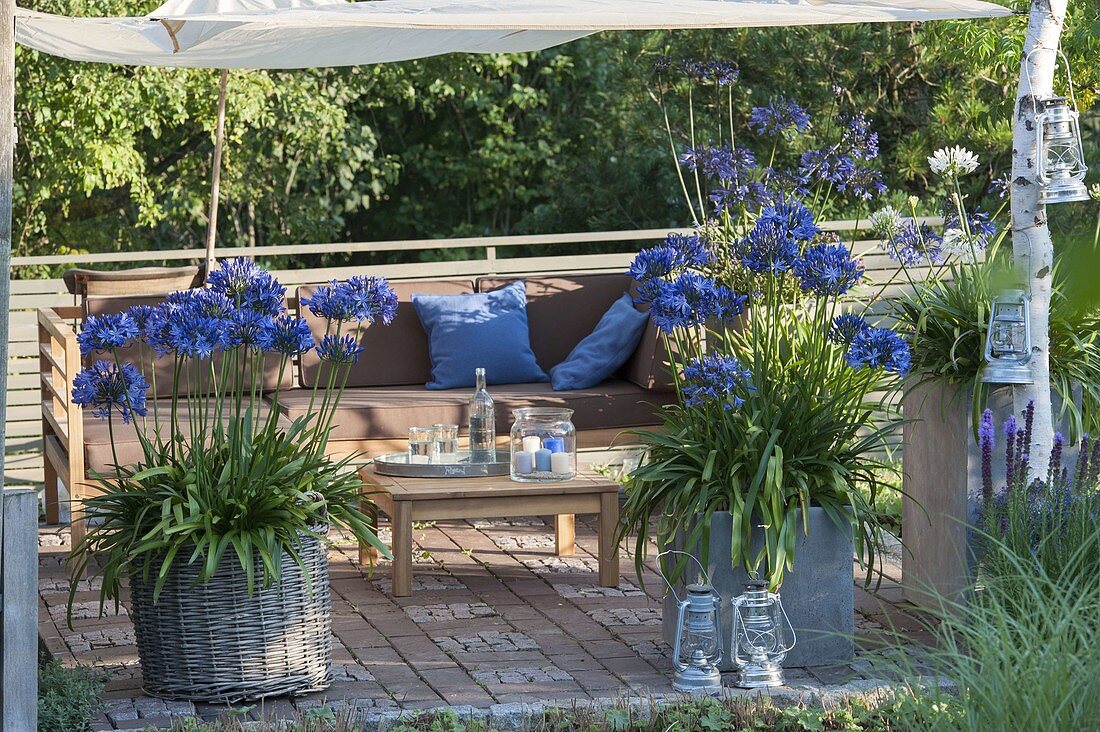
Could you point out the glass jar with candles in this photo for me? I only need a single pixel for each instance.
(544, 445)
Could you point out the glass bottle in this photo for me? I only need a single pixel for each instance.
(482, 423)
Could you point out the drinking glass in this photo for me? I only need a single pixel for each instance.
(445, 444)
(420, 445)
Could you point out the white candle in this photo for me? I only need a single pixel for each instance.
(561, 463)
(524, 462)
(531, 444)
(419, 459)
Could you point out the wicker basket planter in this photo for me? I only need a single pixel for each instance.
(213, 642)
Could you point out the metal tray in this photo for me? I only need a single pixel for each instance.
(397, 464)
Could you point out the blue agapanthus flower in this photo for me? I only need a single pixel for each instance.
(879, 348)
(828, 270)
(724, 73)
(359, 299)
(339, 349)
(722, 163)
(675, 254)
(792, 218)
(858, 138)
(142, 315)
(768, 249)
(753, 195)
(107, 332)
(779, 116)
(846, 327)
(202, 301)
(106, 389)
(715, 379)
(286, 335)
(245, 326)
(842, 172)
(249, 286)
(193, 334)
(914, 244)
(691, 300)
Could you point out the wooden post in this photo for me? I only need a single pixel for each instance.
(1031, 243)
(216, 172)
(19, 669)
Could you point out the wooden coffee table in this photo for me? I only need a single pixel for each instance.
(406, 500)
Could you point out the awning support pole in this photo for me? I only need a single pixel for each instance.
(216, 173)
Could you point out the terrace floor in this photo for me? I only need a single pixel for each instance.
(495, 619)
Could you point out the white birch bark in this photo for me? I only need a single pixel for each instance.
(1031, 243)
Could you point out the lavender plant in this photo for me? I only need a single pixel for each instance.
(776, 411)
(220, 478)
(1054, 521)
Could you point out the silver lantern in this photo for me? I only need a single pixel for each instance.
(1008, 340)
(696, 652)
(762, 637)
(1062, 166)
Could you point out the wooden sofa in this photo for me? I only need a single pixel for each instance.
(385, 394)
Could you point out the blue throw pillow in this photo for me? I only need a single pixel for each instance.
(484, 330)
(604, 350)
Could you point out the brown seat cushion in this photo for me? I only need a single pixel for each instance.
(388, 412)
(141, 355)
(98, 457)
(393, 355)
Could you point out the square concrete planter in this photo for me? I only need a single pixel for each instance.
(818, 594)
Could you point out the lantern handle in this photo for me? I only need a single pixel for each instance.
(790, 626)
(661, 571)
(1065, 62)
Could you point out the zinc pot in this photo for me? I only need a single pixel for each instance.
(212, 641)
(818, 593)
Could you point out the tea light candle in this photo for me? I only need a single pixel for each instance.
(542, 460)
(561, 463)
(524, 462)
(531, 444)
(554, 444)
(419, 459)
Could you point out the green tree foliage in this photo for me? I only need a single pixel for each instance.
(568, 139)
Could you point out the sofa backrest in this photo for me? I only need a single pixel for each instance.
(162, 377)
(563, 309)
(393, 355)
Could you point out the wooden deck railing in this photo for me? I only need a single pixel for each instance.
(29, 384)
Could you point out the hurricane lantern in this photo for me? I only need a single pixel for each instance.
(1008, 340)
(762, 637)
(1062, 166)
(696, 651)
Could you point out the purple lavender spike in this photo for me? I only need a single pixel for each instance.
(1029, 419)
(986, 434)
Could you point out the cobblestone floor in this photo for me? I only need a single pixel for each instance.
(495, 619)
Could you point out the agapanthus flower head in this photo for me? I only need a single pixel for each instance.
(203, 301)
(244, 327)
(915, 244)
(339, 349)
(752, 195)
(193, 334)
(676, 253)
(106, 332)
(879, 348)
(142, 315)
(959, 245)
(372, 299)
(715, 379)
(780, 116)
(662, 63)
(952, 162)
(719, 162)
(768, 249)
(248, 285)
(886, 222)
(691, 300)
(106, 389)
(286, 335)
(1002, 186)
(858, 138)
(846, 327)
(828, 270)
(792, 218)
(723, 73)
(841, 171)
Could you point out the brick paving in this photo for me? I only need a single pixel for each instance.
(495, 618)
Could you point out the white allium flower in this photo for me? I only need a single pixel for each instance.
(885, 222)
(1094, 191)
(953, 161)
(958, 245)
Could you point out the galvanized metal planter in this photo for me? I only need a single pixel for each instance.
(818, 593)
(213, 642)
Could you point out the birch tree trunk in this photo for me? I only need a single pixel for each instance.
(1031, 244)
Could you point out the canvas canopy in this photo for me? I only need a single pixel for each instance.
(287, 34)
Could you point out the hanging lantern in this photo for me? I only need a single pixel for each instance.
(1061, 156)
(762, 636)
(1008, 340)
(1062, 166)
(696, 652)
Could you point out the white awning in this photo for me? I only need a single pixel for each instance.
(288, 34)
